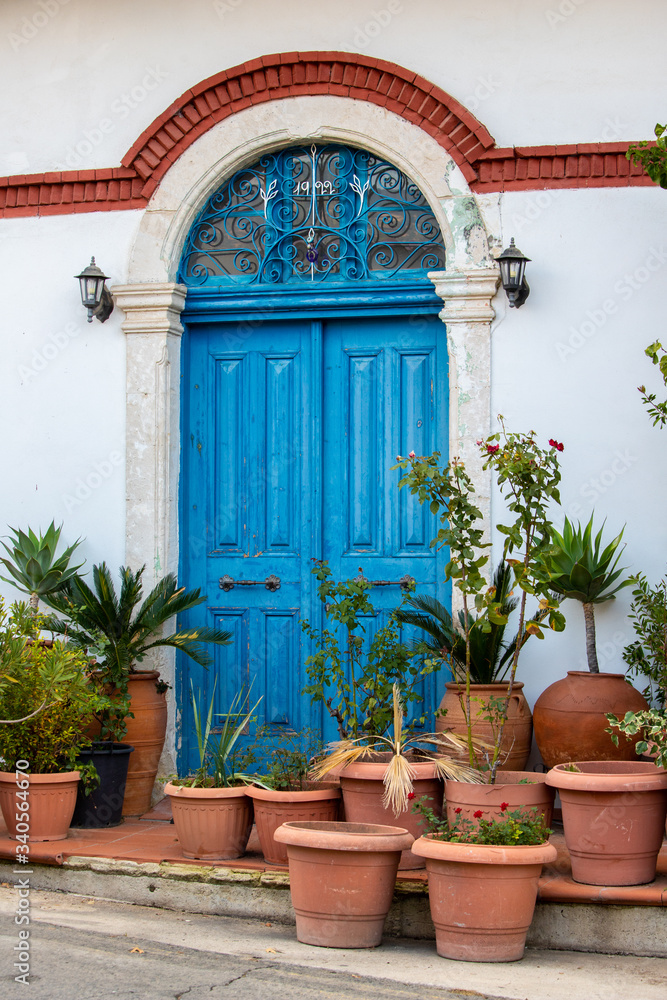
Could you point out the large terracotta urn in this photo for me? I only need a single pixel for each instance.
(518, 732)
(569, 718)
(146, 733)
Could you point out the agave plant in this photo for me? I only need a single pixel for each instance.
(217, 758)
(577, 566)
(32, 563)
(400, 774)
(490, 655)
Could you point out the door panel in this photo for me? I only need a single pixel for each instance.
(290, 434)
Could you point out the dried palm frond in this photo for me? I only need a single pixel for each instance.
(448, 749)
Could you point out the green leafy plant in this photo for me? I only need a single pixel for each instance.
(355, 685)
(46, 700)
(218, 748)
(121, 628)
(657, 409)
(285, 757)
(400, 746)
(516, 828)
(647, 655)
(32, 563)
(652, 158)
(651, 723)
(577, 566)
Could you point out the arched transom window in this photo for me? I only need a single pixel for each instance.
(313, 214)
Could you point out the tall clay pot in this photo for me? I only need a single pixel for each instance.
(613, 819)
(51, 800)
(212, 824)
(146, 733)
(319, 801)
(362, 785)
(482, 897)
(518, 732)
(570, 718)
(342, 880)
(465, 799)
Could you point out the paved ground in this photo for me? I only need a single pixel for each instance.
(85, 949)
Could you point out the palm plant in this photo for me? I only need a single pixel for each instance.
(399, 774)
(121, 629)
(577, 566)
(32, 564)
(490, 655)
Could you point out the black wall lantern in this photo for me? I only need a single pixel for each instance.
(95, 295)
(512, 274)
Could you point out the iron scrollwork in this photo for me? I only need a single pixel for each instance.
(313, 214)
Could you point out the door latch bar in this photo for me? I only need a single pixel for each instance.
(405, 583)
(272, 582)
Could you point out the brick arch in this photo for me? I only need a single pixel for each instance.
(297, 73)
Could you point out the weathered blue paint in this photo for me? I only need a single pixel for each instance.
(291, 428)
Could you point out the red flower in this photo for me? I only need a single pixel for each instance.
(411, 795)
(503, 806)
(492, 448)
(556, 444)
(478, 814)
(458, 810)
(411, 454)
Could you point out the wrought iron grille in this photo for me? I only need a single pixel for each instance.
(313, 214)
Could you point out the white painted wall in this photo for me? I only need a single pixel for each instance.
(534, 71)
(62, 382)
(81, 80)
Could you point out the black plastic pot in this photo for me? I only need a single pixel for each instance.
(104, 806)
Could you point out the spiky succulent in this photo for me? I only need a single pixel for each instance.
(32, 563)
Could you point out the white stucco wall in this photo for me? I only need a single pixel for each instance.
(534, 71)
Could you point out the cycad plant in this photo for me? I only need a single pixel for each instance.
(32, 563)
(577, 566)
(490, 655)
(120, 628)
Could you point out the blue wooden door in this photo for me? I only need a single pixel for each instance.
(289, 439)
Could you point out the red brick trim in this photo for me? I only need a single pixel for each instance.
(297, 73)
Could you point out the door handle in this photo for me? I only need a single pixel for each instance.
(271, 582)
(405, 583)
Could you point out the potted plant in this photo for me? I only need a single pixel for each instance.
(342, 879)
(120, 628)
(528, 476)
(46, 699)
(482, 882)
(380, 774)
(613, 818)
(212, 813)
(490, 657)
(286, 791)
(570, 715)
(32, 563)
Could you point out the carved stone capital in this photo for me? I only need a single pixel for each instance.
(467, 294)
(151, 307)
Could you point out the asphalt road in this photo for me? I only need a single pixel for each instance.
(71, 964)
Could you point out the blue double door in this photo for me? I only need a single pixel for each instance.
(290, 432)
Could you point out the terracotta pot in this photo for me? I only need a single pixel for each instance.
(212, 824)
(51, 799)
(614, 819)
(342, 880)
(535, 796)
(145, 732)
(482, 898)
(570, 718)
(362, 784)
(518, 732)
(319, 801)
